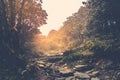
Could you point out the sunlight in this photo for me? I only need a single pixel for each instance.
(58, 11)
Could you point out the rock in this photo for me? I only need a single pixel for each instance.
(95, 78)
(66, 72)
(60, 54)
(41, 65)
(83, 68)
(90, 71)
(81, 75)
(65, 65)
(107, 77)
(94, 73)
(40, 62)
(103, 63)
(70, 78)
(79, 66)
(48, 64)
(80, 79)
(60, 79)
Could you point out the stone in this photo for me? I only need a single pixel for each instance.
(94, 73)
(79, 66)
(48, 64)
(60, 79)
(70, 78)
(81, 75)
(107, 77)
(95, 78)
(41, 65)
(82, 68)
(65, 72)
(40, 62)
(60, 54)
(90, 71)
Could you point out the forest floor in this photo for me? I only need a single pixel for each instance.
(55, 68)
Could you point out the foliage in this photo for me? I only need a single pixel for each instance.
(104, 26)
(19, 19)
(70, 36)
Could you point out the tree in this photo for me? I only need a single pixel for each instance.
(18, 18)
(72, 35)
(75, 29)
(104, 26)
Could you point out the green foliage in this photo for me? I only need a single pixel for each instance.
(72, 34)
(72, 57)
(104, 26)
(18, 20)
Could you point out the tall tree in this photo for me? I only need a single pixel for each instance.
(17, 18)
(105, 25)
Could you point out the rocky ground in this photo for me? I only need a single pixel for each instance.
(54, 68)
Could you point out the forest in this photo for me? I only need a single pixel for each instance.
(86, 47)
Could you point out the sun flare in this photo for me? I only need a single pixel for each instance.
(58, 11)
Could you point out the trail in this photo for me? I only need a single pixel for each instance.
(54, 68)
